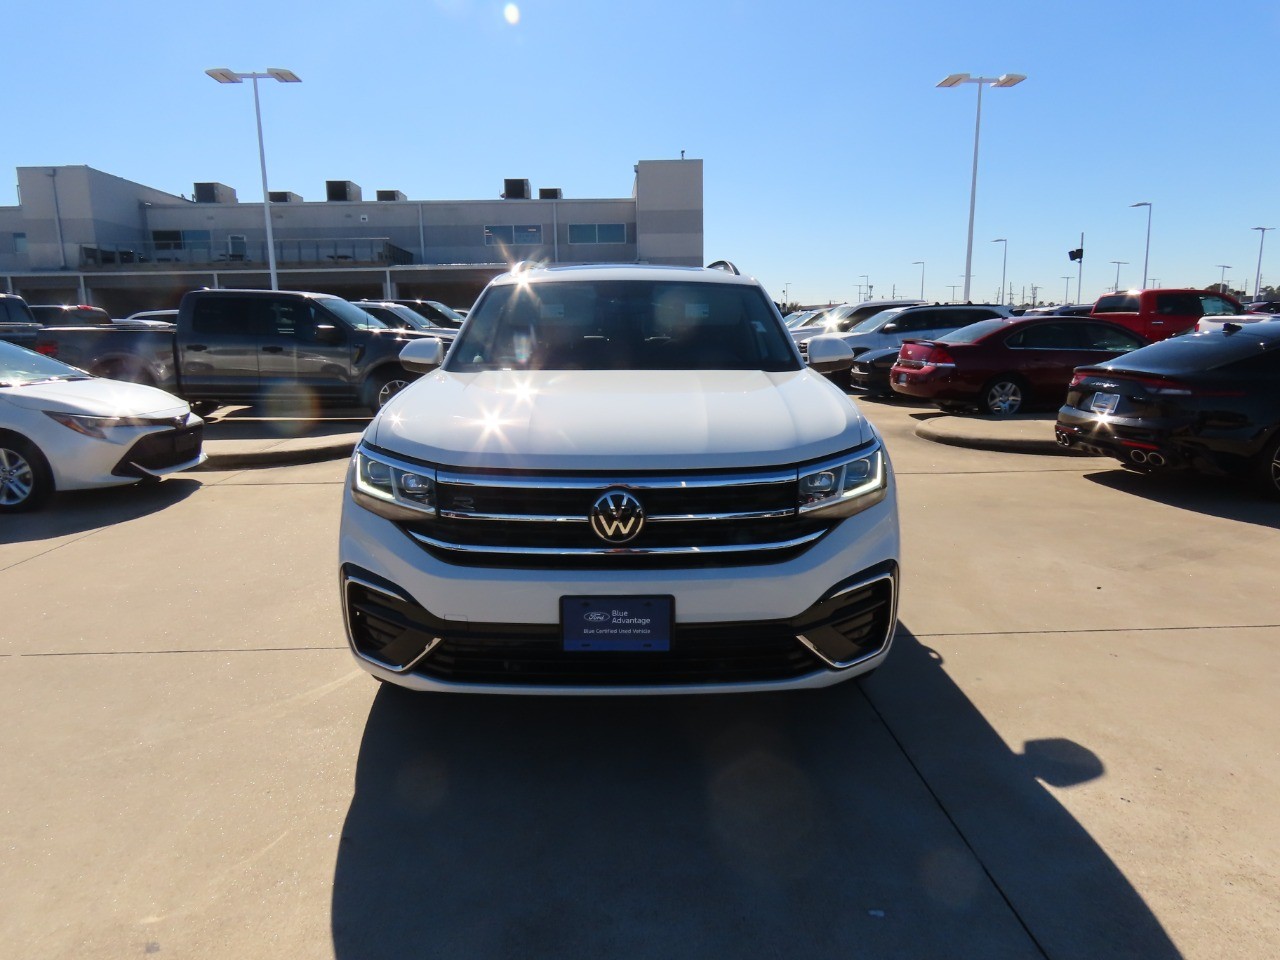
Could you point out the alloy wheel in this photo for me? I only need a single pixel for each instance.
(17, 479)
(1004, 398)
(389, 390)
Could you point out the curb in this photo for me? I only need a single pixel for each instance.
(275, 457)
(987, 436)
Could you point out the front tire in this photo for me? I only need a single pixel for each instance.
(1004, 396)
(26, 481)
(381, 387)
(1267, 472)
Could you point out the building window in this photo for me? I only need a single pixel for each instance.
(522, 234)
(597, 233)
(19, 243)
(498, 236)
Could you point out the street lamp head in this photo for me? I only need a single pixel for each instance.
(999, 240)
(953, 80)
(1009, 79)
(283, 75)
(917, 263)
(1262, 228)
(224, 75)
(1143, 203)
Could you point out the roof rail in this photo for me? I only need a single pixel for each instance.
(725, 265)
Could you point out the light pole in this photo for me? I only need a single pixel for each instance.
(866, 282)
(955, 80)
(1066, 296)
(1004, 263)
(1146, 257)
(1222, 278)
(786, 287)
(953, 287)
(920, 264)
(1119, 264)
(1257, 279)
(223, 75)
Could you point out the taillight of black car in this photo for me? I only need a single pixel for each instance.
(1131, 394)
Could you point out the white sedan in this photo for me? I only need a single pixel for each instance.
(62, 429)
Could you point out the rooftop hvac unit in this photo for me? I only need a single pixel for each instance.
(550, 193)
(391, 195)
(341, 190)
(214, 193)
(515, 189)
(283, 196)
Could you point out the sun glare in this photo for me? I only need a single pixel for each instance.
(512, 13)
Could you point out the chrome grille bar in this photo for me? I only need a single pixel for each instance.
(602, 551)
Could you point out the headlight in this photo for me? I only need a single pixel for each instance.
(844, 486)
(97, 426)
(393, 488)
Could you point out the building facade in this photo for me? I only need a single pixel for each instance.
(79, 235)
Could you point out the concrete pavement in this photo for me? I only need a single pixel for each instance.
(1070, 753)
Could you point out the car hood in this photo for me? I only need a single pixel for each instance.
(96, 398)
(619, 420)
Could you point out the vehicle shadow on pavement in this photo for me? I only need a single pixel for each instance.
(1231, 498)
(831, 823)
(77, 511)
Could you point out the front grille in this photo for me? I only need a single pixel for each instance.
(159, 451)
(542, 520)
(849, 625)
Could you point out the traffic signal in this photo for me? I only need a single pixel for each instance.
(1076, 254)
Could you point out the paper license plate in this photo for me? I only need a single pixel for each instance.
(1105, 403)
(902, 378)
(617, 623)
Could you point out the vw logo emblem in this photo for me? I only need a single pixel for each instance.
(617, 517)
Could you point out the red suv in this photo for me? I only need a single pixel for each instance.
(1003, 366)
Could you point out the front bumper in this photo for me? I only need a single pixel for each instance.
(127, 455)
(811, 620)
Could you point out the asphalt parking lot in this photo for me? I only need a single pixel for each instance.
(1072, 752)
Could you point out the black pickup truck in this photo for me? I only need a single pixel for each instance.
(243, 346)
(17, 325)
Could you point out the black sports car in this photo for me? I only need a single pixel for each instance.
(1208, 402)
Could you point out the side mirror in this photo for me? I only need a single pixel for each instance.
(889, 328)
(328, 333)
(827, 354)
(422, 356)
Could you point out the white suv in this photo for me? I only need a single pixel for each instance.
(623, 480)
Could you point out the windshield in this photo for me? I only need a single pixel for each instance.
(449, 313)
(19, 365)
(623, 325)
(351, 315)
(876, 320)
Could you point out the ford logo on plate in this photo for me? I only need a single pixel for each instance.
(596, 616)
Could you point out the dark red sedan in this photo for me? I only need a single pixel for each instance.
(1003, 366)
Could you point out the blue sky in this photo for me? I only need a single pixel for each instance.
(829, 153)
